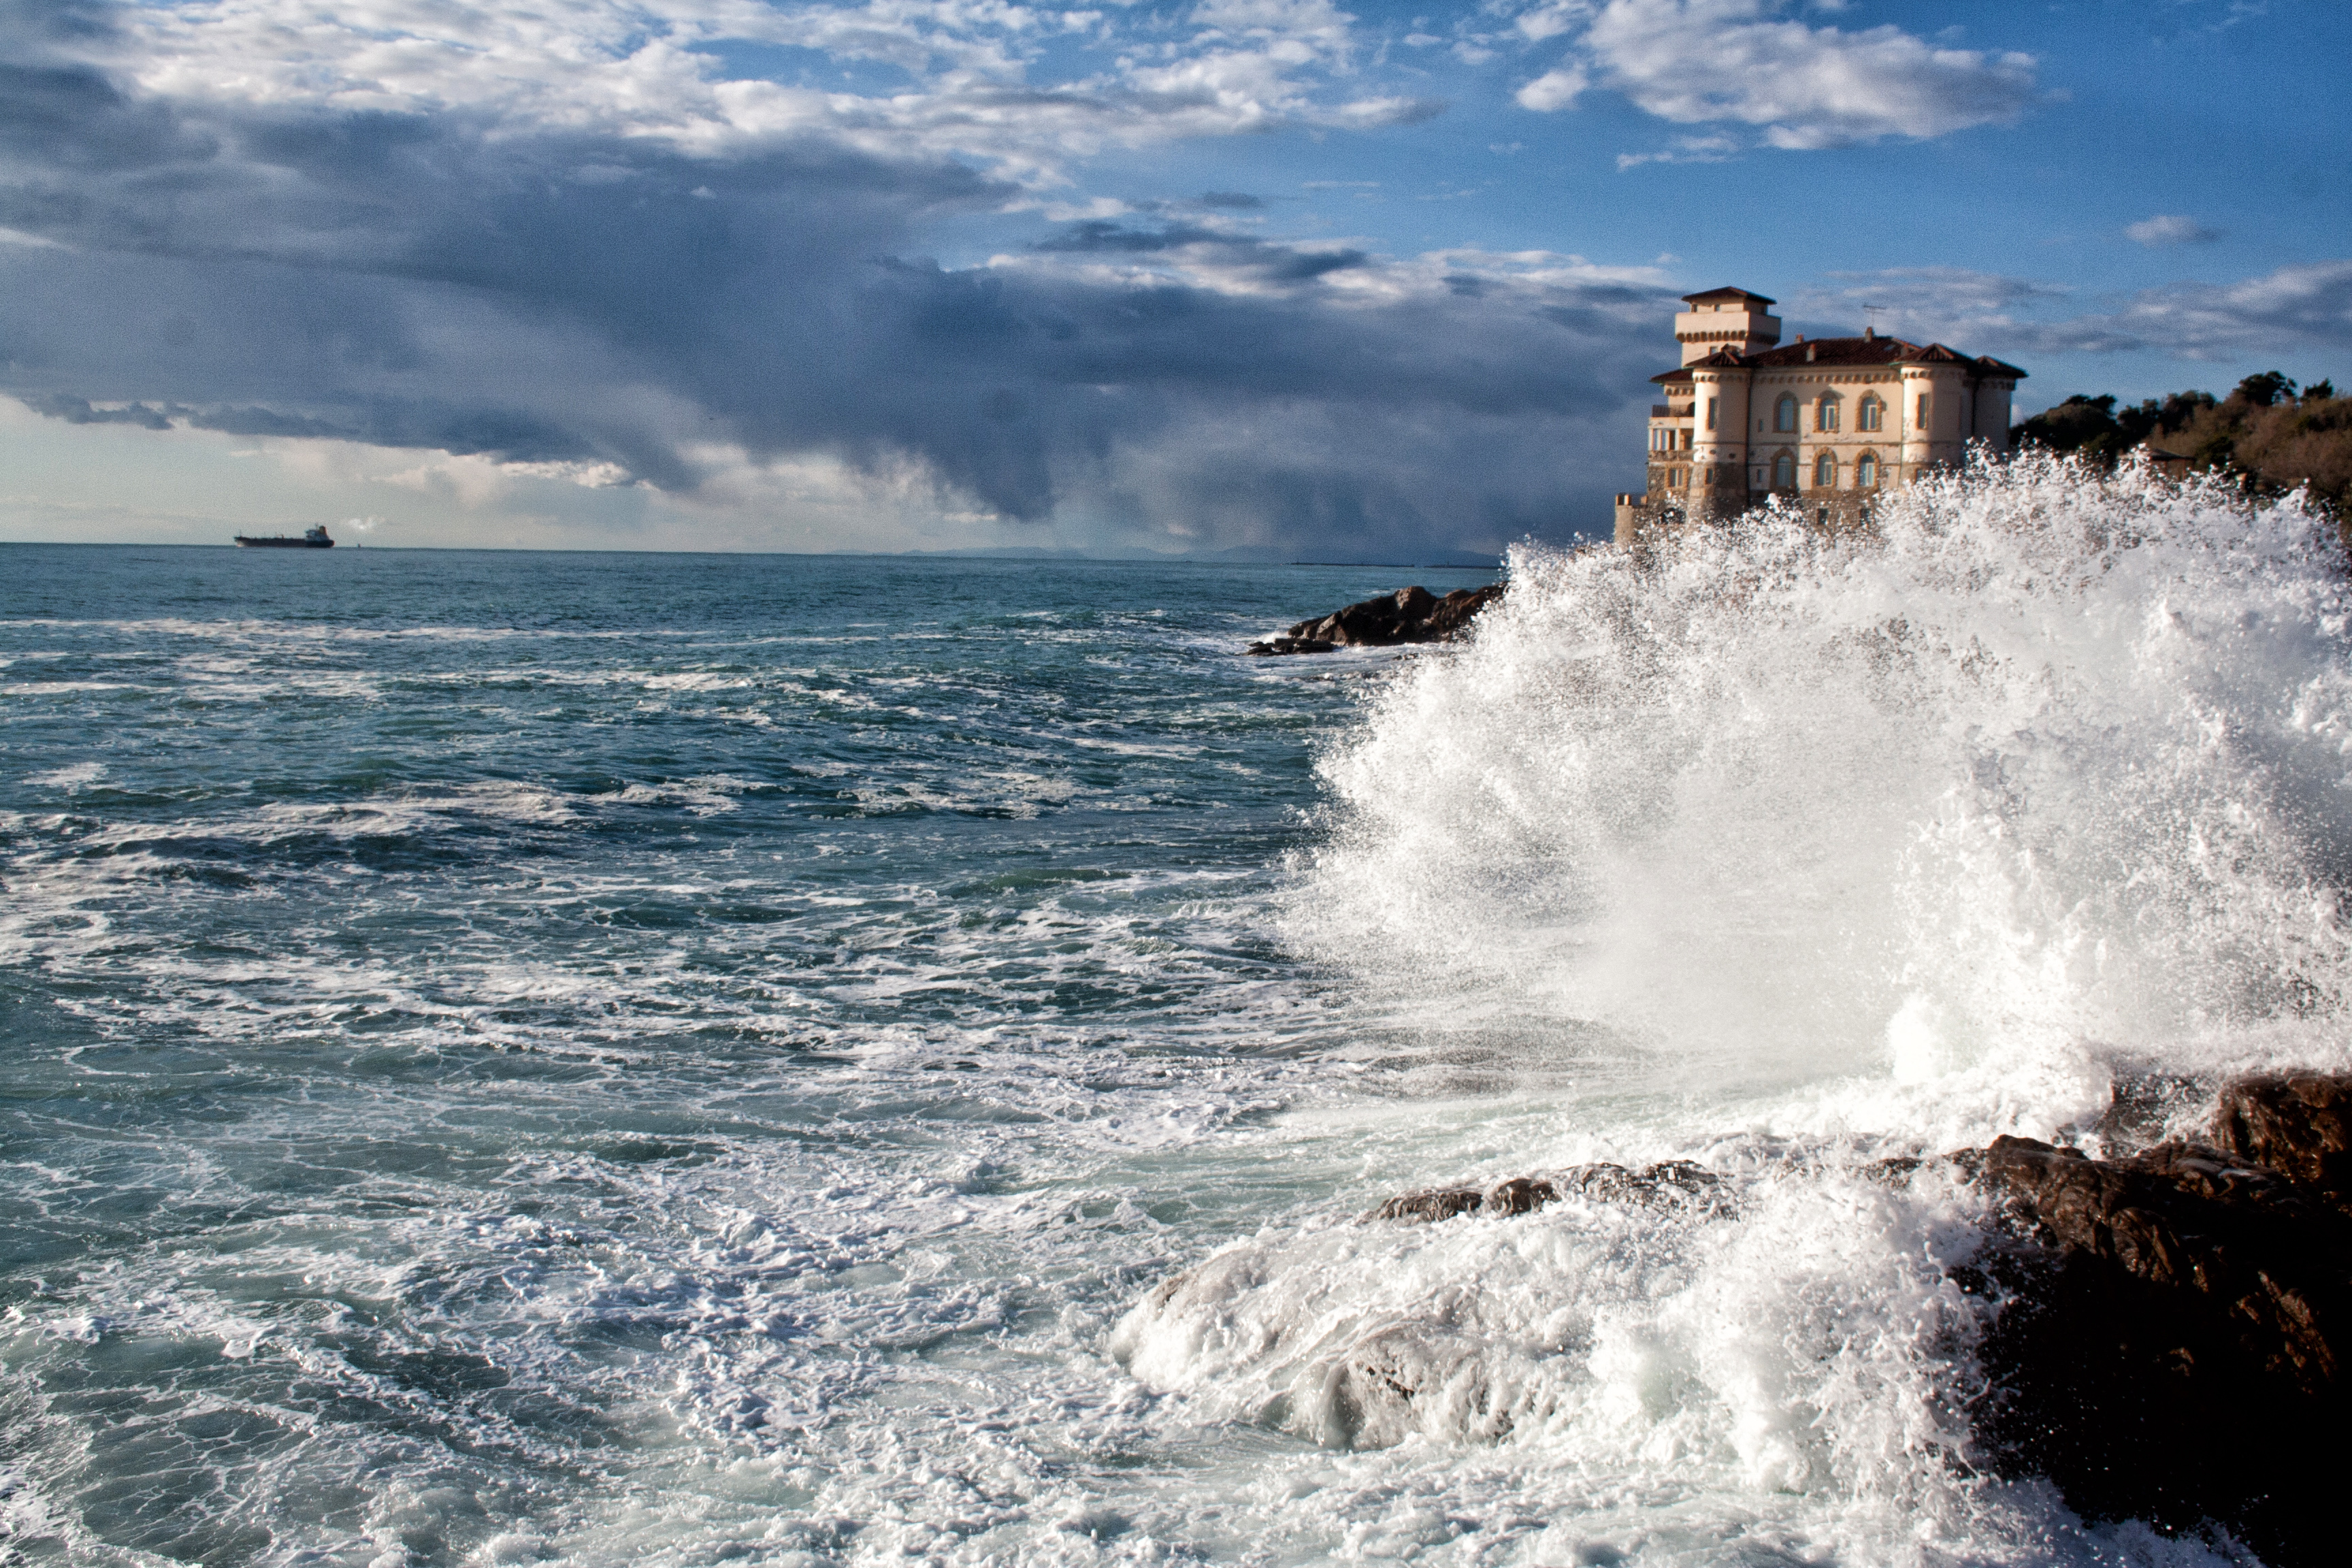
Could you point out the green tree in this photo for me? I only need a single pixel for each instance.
(2274, 439)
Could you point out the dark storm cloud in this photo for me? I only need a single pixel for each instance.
(78, 411)
(412, 280)
(1094, 234)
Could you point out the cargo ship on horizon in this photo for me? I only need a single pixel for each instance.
(313, 539)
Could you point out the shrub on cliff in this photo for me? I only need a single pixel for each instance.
(2265, 430)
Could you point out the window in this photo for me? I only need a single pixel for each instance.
(1825, 412)
(1784, 414)
(1784, 468)
(1922, 420)
(1824, 471)
(1687, 440)
(1865, 471)
(1710, 413)
(1871, 415)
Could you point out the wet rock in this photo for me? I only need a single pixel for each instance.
(1520, 1194)
(1429, 1206)
(2232, 1248)
(2175, 1330)
(2139, 1106)
(1411, 615)
(2299, 1124)
(1894, 1173)
(1455, 612)
(1670, 1184)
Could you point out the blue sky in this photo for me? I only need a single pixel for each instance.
(1277, 276)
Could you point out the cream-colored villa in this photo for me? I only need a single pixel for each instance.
(1827, 424)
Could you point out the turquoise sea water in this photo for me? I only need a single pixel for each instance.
(497, 1043)
(604, 1060)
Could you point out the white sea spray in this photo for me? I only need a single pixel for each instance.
(1802, 851)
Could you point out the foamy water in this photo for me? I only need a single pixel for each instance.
(528, 1059)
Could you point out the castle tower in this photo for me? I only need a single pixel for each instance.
(1726, 318)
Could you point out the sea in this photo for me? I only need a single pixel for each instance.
(516, 1057)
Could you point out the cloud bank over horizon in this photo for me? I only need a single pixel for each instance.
(583, 249)
(692, 247)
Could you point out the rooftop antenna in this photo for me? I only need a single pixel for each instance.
(1870, 314)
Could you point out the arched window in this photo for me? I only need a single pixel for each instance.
(1824, 471)
(1865, 471)
(1784, 467)
(1871, 415)
(1784, 413)
(1825, 412)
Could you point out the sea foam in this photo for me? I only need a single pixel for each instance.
(1799, 851)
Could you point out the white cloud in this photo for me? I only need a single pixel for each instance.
(2294, 308)
(1703, 62)
(1976, 313)
(1557, 89)
(1550, 18)
(2170, 228)
(964, 76)
(2290, 310)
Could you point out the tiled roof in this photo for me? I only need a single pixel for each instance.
(1836, 351)
(1726, 294)
(1841, 351)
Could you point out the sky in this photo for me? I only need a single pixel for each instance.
(1259, 279)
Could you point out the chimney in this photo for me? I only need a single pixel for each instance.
(1809, 353)
(1869, 333)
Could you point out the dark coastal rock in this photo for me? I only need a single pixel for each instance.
(1674, 1185)
(1430, 1205)
(2299, 1124)
(2177, 1324)
(2139, 1105)
(1520, 1194)
(2173, 1333)
(1411, 615)
(1671, 1183)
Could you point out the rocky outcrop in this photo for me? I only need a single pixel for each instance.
(2175, 1339)
(2171, 1331)
(2299, 1124)
(1411, 615)
(1678, 1184)
(2171, 1336)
